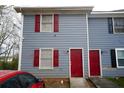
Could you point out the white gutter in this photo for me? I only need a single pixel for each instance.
(96, 12)
(60, 8)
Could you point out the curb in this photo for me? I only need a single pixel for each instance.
(93, 83)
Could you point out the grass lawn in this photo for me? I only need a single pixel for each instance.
(119, 81)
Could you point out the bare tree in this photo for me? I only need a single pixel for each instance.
(9, 32)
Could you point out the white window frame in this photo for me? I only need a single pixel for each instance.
(113, 23)
(116, 49)
(52, 23)
(40, 59)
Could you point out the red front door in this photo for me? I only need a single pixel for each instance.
(94, 63)
(76, 62)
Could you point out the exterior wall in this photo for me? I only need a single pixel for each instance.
(72, 33)
(99, 38)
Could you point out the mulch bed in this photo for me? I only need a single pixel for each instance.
(57, 82)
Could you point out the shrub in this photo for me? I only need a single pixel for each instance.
(13, 65)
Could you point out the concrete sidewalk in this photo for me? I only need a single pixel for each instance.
(79, 83)
(103, 83)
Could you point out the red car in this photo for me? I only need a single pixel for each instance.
(19, 79)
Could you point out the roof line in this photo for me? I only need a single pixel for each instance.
(54, 7)
(69, 8)
(59, 8)
(106, 12)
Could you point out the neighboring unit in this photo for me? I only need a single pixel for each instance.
(65, 42)
(106, 34)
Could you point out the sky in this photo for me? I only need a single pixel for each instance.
(99, 5)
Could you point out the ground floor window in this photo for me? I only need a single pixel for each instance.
(120, 57)
(46, 58)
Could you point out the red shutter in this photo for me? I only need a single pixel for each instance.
(37, 23)
(56, 58)
(36, 57)
(56, 23)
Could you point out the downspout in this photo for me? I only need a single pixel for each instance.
(88, 72)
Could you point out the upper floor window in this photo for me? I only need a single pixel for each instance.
(47, 23)
(118, 24)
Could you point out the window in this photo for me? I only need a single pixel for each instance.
(46, 59)
(11, 83)
(27, 80)
(120, 58)
(47, 23)
(118, 24)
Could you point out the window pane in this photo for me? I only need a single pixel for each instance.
(120, 54)
(121, 62)
(46, 58)
(46, 63)
(47, 27)
(119, 30)
(46, 18)
(46, 53)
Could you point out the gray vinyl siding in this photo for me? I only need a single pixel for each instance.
(99, 38)
(72, 34)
